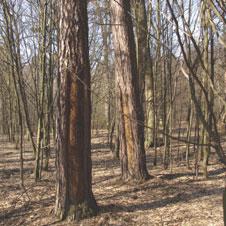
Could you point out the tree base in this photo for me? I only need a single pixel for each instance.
(135, 178)
(78, 212)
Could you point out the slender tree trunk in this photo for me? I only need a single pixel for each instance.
(224, 203)
(14, 49)
(40, 131)
(206, 138)
(21, 146)
(189, 129)
(145, 71)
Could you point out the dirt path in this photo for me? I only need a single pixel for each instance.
(166, 199)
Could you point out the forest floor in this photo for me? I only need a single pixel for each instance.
(171, 197)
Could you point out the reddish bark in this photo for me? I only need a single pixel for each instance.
(131, 115)
(74, 196)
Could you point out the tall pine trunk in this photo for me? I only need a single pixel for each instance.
(131, 115)
(74, 198)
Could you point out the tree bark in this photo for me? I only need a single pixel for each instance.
(131, 115)
(74, 197)
(145, 70)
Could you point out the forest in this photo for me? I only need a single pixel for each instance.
(113, 112)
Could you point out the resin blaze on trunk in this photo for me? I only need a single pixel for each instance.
(74, 198)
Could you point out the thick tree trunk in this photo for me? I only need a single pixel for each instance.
(74, 196)
(131, 115)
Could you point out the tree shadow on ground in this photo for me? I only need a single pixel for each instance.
(13, 213)
(105, 163)
(99, 146)
(7, 173)
(173, 176)
(102, 179)
(177, 198)
(16, 160)
(134, 190)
